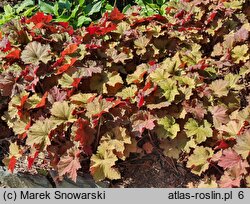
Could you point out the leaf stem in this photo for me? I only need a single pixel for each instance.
(98, 134)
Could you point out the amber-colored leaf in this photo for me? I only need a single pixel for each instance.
(38, 133)
(35, 52)
(242, 146)
(62, 112)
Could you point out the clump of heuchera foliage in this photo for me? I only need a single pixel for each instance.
(131, 84)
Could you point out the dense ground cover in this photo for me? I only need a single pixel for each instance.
(92, 98)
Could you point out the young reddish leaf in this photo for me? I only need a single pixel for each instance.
(39, 19)
(66, 66)
(32, 159)
(230, 179)
(15, 54)
(5, 45)
(70, 49)
(116, 15)
(219, 115)
(58, 62)
(230, 159)
(64, 24)
(43, 100)
(92, 29)
(12, 164)
(56, 94)
(141, 121)
(20, 107)
(241, 35)
(211, 17)
(76, 82)
(196, 108)
(69, 163)
(84, 134)
(140, 99)
(222, 145)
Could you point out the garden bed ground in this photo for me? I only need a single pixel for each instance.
(153, 171)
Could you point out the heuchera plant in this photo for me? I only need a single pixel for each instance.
(84, 98)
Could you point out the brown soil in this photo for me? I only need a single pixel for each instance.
(153, 171)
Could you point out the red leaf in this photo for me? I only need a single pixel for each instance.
(39, 18)
(84, 134)
(15, 54)
(5, 44)
(12, 164)
(20, 107)
(222, 145)
(116, 15)
(101, 29)
(32, 159)
(66, 66)
(70, 49)
(43, 100)
(76, 82)
(58, 62)
(92, 29)
(140, 100)
(211, 17)
(64, 24)
(180, 14)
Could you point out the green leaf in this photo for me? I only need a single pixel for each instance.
(170, 126)
(239, 53)
(46, 8)
(29, 11)
(169, 87)
(199, 131)
(8, 10)
(24, 5)
(198, 161)
(102, 163)
(93, 8)
(83, 20)
(65, 81)
(81, 2)
(128, 92)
